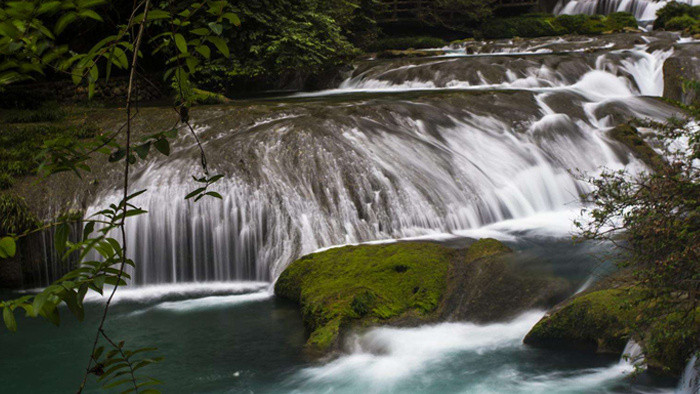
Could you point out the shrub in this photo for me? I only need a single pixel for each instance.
(403, 43)
(620, 20)
(681, 23)
(674, 10)
(542, 25)
(15, 216)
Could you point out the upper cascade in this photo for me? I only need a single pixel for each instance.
(643, 10)
(404, 148)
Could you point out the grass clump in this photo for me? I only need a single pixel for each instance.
(46, 112)
(20, 144)
(365, 284)
(15, 216)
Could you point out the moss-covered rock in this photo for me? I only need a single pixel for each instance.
(680, 70)
(368, 282)
(407, 283)
(594, 322)
(603, 321)
(629, 137)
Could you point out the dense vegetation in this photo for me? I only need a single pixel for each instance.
(540, 25)
(679, 16)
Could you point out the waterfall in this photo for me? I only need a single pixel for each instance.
(643, 10)
(461, 144)
(690, 381)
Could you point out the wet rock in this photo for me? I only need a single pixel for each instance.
(604, 318)
(409, 283)
(679, 70)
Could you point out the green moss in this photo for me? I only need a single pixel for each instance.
(628, 136)
(365, 284)
(596, 322)
(485, 247)
(603, 321)
(206, 97)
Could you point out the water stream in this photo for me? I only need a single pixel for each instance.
(442, 148)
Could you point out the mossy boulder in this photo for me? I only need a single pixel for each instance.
(595, 322)
(680, 70)
(602, 321)
(628, 136)
(406, 283)
(365, 283)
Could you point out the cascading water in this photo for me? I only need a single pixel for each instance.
(643, 10)
(457, 144)
(690, 381)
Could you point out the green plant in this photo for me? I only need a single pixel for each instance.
(6, 180)
(186, 34)
(672, 10)
(681, 23)
(15, 216)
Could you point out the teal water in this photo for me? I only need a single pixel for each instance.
(237, 338)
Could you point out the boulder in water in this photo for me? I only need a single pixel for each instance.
(408, 283)
(604, 318)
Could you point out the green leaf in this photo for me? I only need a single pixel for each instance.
(60, 237)
(204, 51)
(142, 150)
(89, 228)
(90, 14)
(214, 194)
(181, 43)
(63, 22)
(194, 193)
(220, 44)
(9, 318)
(233, 18)
(216, 28)
(200, 31)
(8, 248)
(163, 146)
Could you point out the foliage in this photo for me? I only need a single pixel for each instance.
(402, 43)
(673, 10)
(19, 144)
(685, 22)
(654, 220)
(15, 216)
(279, 39)
(539, 25)
(187, 34)
(604, 320)
(470, 13)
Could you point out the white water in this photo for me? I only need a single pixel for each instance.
(416, 168)
(413, 359)
(643, 10)
(690, 382)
